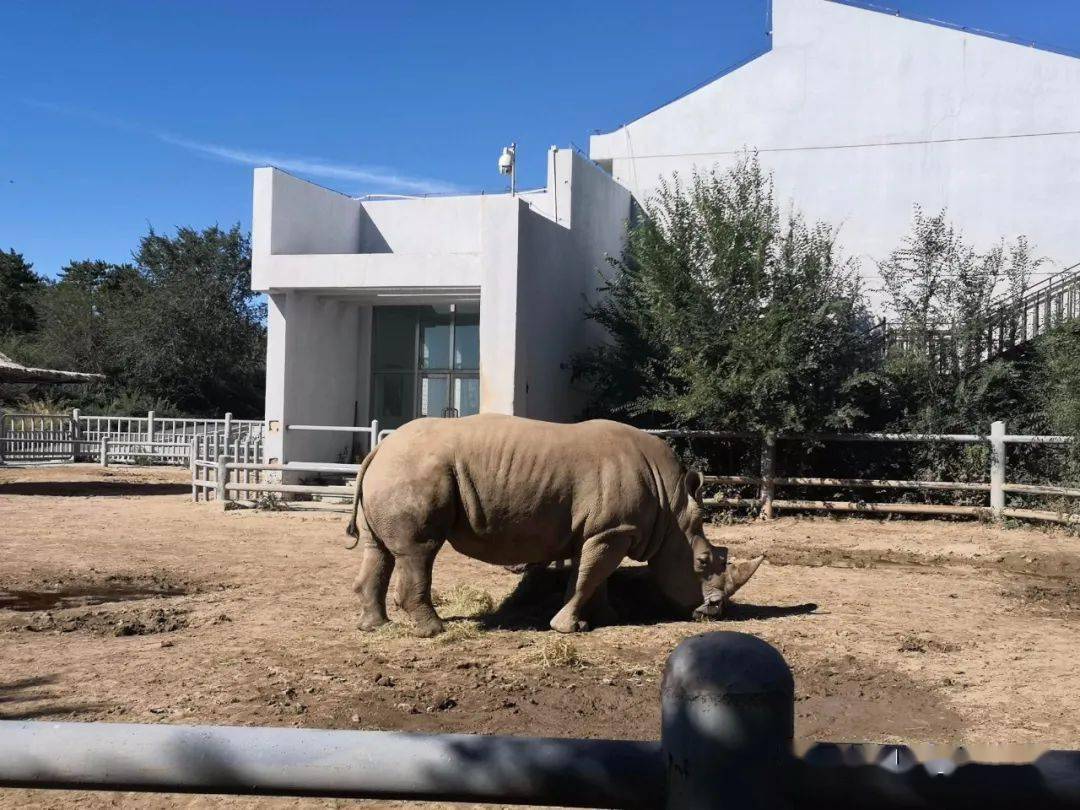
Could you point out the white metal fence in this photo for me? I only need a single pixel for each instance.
(238, 472)
(37, 437)
(150, 439)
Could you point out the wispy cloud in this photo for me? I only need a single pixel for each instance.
(364, 178)
(375, 178)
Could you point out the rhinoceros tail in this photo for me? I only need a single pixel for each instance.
(353, 529)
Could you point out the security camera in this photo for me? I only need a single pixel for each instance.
(506, 159)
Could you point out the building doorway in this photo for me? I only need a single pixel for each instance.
(425, 362)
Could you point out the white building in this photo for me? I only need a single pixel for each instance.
(393, 309)
(862, 114)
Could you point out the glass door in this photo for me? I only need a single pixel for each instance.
(434, 395)
(466, 395)
(425, 362)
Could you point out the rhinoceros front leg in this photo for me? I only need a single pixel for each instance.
(414, 588)
(372, 583)
(600, 556)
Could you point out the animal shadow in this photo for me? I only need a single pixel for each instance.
(632, 593)
(84, 489)
(15, 695)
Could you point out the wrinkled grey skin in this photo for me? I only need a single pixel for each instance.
(510, 491)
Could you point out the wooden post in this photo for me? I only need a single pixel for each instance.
(149, 426)
(997, 468)
(768, 474)
(104, 453)
(374, 434)
(3, 435)
(222, 479)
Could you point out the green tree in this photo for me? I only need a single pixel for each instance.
(19, 286)
(944, 294)
(195, 335)
(722, 313)
(79, 314)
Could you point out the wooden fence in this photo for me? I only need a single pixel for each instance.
(769, 480)
(237, 475)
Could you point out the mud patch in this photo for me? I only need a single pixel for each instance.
(110, 623)
(920, 644)
(1052, 596)
(80, 596)
(843, 697)
(99, 604)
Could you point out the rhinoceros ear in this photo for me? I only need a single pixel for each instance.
(693, 483)
(738, 574)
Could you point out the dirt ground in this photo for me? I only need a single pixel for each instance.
(122, 601)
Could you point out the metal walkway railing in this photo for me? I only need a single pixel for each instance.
(1012, 321)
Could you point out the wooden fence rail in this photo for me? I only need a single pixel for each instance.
(239, 476)
(997, 487)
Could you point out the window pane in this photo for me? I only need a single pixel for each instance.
(434, 338)
(394, 394)
(394, 335)
(434, 395)
(466, 396)
(467, 341)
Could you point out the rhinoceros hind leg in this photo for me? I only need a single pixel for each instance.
(600, 556)
(372, 583)
(414, 589)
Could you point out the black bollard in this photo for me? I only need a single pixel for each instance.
(728, 718)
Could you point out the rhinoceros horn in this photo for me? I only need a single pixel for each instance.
(734, 577)
(739, 574)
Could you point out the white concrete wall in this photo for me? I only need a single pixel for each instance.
(558, 273)
(835, 106)
(308, 237)
(434, 225)
(314, 355)
(293, 216)
(502, 384)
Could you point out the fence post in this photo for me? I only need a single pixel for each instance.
(76, 434)
(727, 707)
(997, 468)
(228, 432)
(103, 456)
(222, 479)
(192, 458)
(768, 474)
(3, 435)
(149, 426)
(374, 434)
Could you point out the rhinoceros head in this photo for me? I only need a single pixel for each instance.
(718, 579)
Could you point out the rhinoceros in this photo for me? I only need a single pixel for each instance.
(508, 490)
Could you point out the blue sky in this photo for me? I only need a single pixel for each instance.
(120, 114)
